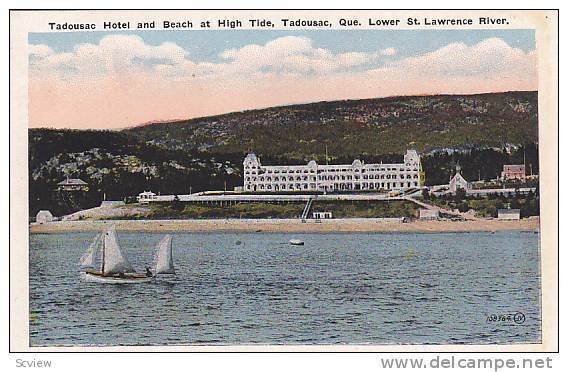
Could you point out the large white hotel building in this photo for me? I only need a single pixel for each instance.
(328, 177)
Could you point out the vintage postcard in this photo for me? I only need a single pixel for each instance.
(347, 180)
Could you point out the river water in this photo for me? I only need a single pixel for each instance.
(255, 288)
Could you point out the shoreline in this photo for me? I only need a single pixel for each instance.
(288, 225)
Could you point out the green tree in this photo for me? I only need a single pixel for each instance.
(177, 205)
(460, 195)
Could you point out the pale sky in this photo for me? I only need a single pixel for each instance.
(101, 80)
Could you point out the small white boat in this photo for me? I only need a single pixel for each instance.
(296, 242)
(115, 268)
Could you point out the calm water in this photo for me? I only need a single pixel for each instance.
(336, 289)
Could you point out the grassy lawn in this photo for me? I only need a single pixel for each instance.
(340, 209)
(367, 209)
(240, 210)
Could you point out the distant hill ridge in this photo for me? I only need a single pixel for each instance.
(354, 127)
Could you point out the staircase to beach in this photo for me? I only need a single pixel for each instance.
(307, 208)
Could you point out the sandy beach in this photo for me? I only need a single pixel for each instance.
(288, 225)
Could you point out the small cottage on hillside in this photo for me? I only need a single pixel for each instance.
(514, 172)
(146, 197)
(73, 184)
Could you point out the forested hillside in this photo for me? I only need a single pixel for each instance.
(359, 127)
(480, 132)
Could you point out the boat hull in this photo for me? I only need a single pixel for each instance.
(126, 279)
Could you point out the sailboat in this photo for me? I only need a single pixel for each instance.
(164, 261)
(114, 265)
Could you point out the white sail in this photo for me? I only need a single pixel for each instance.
(164, 258)
(88, 258)
(115, 261)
